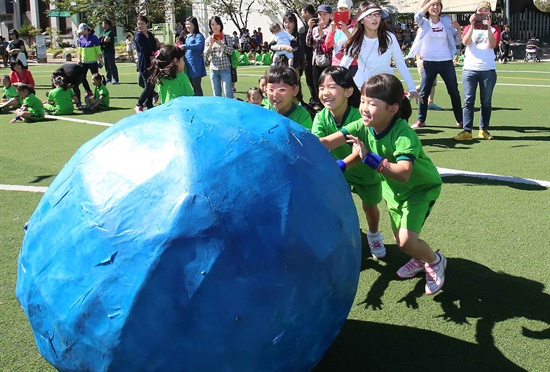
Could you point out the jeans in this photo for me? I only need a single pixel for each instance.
(196, 83)
(219, 78)
(110, 66)
(446, 70)
(470, 81)
(146, 96)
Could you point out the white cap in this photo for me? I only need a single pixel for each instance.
(373, 10)
(82, 27)
(345, 4)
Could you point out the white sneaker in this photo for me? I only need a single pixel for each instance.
(377, 248)
(410, 269)
(435, 274)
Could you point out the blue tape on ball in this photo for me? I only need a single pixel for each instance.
(192, 237)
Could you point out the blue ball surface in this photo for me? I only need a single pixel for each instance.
(205, 234)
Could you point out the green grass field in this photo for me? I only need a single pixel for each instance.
(494, 311)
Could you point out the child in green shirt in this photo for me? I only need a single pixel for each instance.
(340, 98)
(32, 109)
(282, 88)
(167, 72)
(410, 182)
(100, 100)
(10, 97)
(60, 99)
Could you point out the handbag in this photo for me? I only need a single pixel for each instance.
(322, 60)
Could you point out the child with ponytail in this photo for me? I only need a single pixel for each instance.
(410, 182)
(167, 73)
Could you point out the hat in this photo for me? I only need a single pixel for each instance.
(345, 4)
(324, 8)
(373, 9)
(483, 4)
(82, 27)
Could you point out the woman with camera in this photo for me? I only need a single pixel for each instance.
(218, 48)
(481, 37)
(435, 45)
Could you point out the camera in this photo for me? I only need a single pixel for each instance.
(315, 19)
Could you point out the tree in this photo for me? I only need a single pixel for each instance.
(119, 12)
(543, 5)
(237, 11)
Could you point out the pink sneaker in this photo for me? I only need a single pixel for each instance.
(377, 248)
(460, 125)
(418, 125)
(139, 109)
(410, 269)
(435, 274)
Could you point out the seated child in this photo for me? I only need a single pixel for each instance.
(100, 100)
(60, 99)
(20, 75)
(280, 39)
(243, 59)
(10, 97)
(32, 110)
(255, 96)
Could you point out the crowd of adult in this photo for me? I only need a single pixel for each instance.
(366, 44)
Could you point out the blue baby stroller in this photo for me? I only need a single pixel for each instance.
(532, 50)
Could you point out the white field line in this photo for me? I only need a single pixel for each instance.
(79, 120)
(444, 172)
(41, 189)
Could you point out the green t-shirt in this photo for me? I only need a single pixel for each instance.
(243, 60)
(62, 101)
(11, 92)
(266, 59)
(300, 115)
(109, 46)
(102, 91)
(34, 106)
(400, 142)
(266, 104)
(324, 125)
(174, 88)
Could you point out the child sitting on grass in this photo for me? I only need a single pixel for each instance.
(100, 100)
(60, 99)
(32, 110)
(10, 97)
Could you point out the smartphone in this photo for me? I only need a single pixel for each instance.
(218, 36)
(341, 16)
(478, 21)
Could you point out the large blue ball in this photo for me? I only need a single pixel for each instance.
(205, 234)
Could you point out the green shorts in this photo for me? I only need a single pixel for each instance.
(371, 195)
(409, 215)
(33, 119)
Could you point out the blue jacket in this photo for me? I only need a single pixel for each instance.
(424, 27)
(194, 60)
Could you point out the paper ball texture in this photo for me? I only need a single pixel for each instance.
(205, 234)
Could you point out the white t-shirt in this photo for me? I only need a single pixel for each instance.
(370, 62)
(435, 48)
(478, 55)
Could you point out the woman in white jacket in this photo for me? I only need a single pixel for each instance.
(435, 44)
(374, 46)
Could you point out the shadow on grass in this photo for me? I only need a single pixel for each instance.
(447, 143)
(471, 291)
(516, 183)
(38, 179)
